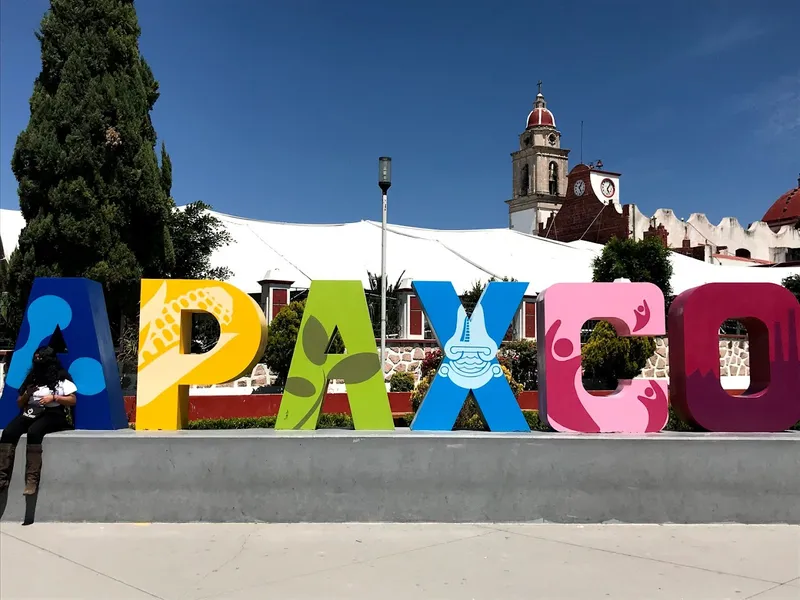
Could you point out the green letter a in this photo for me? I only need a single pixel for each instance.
(333, 305)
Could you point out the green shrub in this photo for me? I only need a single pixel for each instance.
(282, 339)
(607, 358)
(521, 359)
(402, 382)
(233, 423)
(326, 421)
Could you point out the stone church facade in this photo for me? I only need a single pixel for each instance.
(552, 201)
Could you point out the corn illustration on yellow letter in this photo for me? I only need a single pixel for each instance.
(166, 366)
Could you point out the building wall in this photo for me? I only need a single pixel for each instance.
(523, 220)
(526, 215)
(585, 217)
(758, 239)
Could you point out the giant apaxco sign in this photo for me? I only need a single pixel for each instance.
(166, 368)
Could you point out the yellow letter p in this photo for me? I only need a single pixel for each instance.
(166, 365)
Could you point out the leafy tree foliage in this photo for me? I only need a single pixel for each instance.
(196, 234)
(792, 283)
(637, 260)
(606, 357)
(374, 304)
(470, 297)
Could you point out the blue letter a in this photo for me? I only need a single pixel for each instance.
(77, 307)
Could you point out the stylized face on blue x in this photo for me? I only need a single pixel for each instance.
(470, 356)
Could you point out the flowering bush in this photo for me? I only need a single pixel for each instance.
(431, 362)
(521, 359)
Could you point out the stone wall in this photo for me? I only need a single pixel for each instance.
(405, 356)
(734, 358)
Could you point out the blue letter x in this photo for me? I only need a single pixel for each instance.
(470, 356)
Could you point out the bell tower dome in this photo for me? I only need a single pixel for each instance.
(539, 170)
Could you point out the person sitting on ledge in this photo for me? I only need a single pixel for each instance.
(47, 395)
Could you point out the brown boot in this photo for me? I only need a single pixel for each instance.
(7, 452)
(33, 469)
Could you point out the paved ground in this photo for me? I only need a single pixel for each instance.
(386, 562)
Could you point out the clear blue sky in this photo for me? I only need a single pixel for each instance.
(279, 110)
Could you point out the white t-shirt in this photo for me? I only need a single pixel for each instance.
(64, 388)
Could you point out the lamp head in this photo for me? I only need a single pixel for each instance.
(384, 173)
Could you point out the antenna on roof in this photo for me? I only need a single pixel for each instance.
(582, 143)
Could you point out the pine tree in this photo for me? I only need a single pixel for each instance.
(90, 186)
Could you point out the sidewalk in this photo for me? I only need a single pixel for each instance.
(388, 562)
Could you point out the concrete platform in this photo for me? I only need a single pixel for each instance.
(348, 476)
(399, 561)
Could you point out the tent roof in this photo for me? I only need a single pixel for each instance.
(303, 252)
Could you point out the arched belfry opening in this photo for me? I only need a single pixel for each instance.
(553, 178)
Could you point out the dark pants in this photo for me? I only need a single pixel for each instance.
(53, 419)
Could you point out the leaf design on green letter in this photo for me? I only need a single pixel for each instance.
(299, 386)
(356, 368)
(315, 340)
(313, 410)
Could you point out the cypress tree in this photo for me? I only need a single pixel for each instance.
(90, 187)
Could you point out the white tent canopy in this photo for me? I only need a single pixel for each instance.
(302, 253)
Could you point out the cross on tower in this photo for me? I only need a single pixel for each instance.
(539, 83)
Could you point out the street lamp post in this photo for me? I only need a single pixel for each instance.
(384, 182)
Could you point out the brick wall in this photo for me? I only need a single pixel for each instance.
(585, 217)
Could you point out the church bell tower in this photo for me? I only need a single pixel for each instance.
(539, 171)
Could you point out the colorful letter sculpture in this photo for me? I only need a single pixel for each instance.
(771, 315)
(166, 366)
(634, 309)
(76, 307)
(332, 306)
(470, 356)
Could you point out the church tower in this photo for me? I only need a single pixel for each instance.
(539, 171)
